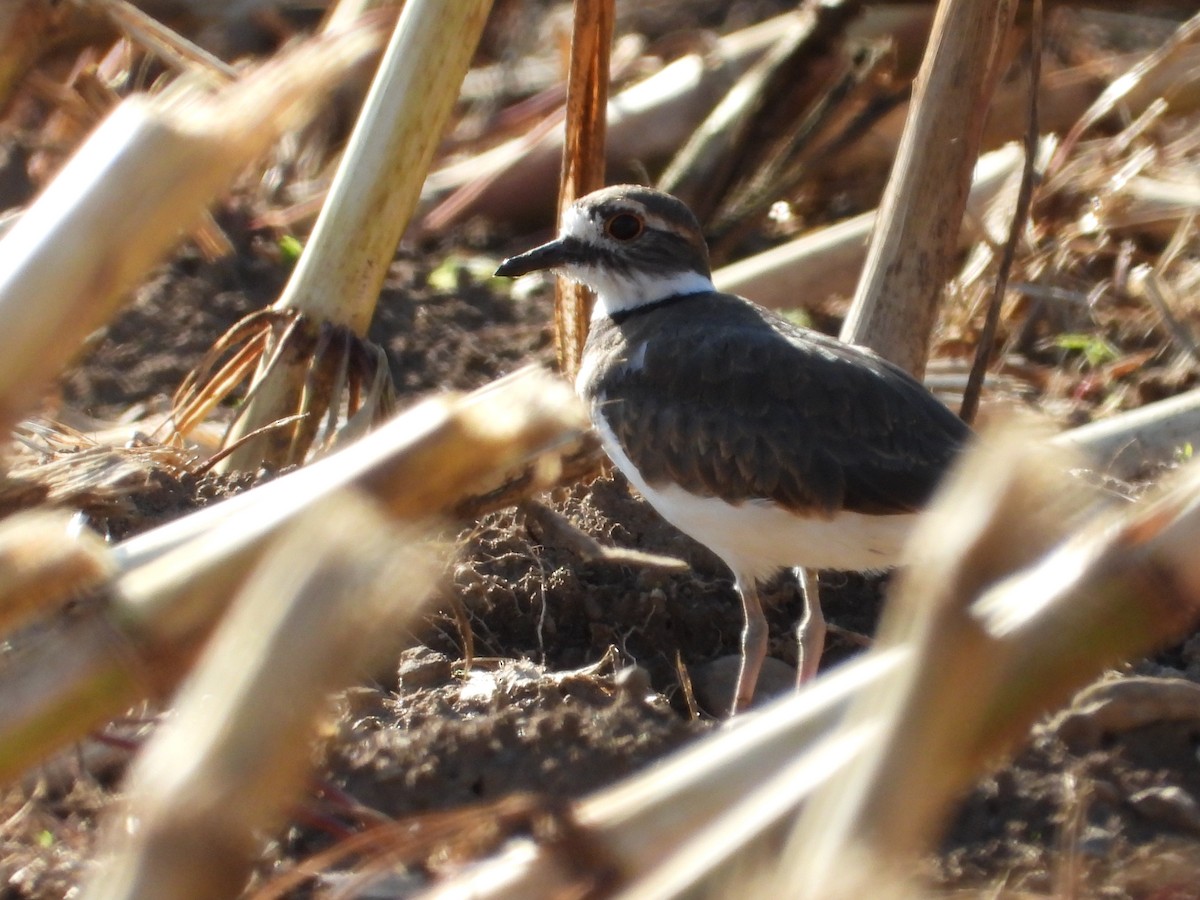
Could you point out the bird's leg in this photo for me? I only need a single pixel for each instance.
(810, 633)
(754, 643)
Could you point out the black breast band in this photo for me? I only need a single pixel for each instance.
(626, 314)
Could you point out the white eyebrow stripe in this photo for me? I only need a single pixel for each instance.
(577, 224)
(661, 224)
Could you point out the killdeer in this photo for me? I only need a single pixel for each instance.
(774, 445)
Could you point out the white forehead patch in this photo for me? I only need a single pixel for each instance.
(577, 223)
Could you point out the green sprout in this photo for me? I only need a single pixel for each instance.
(291, 248)
(797, 316)
(1095, 349)
(450, 275)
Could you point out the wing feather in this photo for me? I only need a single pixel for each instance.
(761, 408)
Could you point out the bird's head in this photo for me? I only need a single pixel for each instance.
(631, 245)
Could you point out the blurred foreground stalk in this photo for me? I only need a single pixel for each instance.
(335, 589)
(171, 585)
(1019, 591)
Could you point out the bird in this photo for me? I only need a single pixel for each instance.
(774, 445)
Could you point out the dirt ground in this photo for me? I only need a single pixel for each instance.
(1080, 814)
(1105, 816)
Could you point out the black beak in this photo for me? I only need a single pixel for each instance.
(550, 255)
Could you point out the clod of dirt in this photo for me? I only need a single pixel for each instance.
(514, 729)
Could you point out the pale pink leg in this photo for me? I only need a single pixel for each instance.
(811, 631)
(754, 644)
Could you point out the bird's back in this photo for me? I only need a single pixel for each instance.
(724, 399)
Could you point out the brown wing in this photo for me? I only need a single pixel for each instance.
(761, 408)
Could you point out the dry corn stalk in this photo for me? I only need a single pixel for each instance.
(344, 12)
(800, 105)
(912, 248)
(829, 260)
(311, 355)
(45, 560)
(172, 584)
(1003, 631)
(583, 160)
(1123, 444)
(649, 119)
(636, 826)
(142, 178)
(335, 589)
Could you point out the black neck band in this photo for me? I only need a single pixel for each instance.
(625, 314)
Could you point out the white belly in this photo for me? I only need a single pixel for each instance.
(759, 537)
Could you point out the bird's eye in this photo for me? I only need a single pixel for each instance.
(624, 226)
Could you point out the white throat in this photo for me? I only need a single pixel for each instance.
(617, 294)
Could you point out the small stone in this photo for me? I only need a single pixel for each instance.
(1170, 805)
(422, 668)
(634, 681)
(1096, 842)
(714, 683)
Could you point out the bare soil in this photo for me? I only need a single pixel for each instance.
(1063, 818)
(584, 671)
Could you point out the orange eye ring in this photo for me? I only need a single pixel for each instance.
(624, 226)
